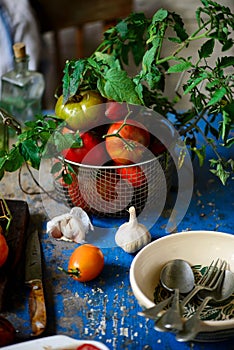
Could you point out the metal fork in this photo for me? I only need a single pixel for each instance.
(209, 282)
(224, 289)
(154, 311)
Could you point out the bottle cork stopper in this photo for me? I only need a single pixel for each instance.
(19, 50)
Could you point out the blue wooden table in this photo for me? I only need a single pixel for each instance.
(105, 309)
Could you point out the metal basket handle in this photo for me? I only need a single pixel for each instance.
(10, 121)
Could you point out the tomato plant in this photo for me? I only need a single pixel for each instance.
(81, 111)
(133, 174)
(92, 150)
(85, 263)
(4, 250)
(126, 141)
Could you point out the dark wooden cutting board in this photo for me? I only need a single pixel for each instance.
(12, 270)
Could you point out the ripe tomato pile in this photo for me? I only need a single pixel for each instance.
(107, 136)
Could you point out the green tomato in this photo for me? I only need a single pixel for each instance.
(82, 111)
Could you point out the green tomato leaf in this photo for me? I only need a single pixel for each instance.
(101, 85)
(56, 168)
(67, 178)
(227, 45)
(220, 170)
(225, 62)
(193, 84)
(31, 152)
(120, 87)
(212, 84)
(106, 59)
(138, 51)
(227, 123)
(122, 28)
(64, 141)
(73, 73)
(180, 67)
(148, 59)
(3, 160)
(139, 90)
(160, 15)
(179, 27)
(207, 49)
(14, 160)
(217, 96)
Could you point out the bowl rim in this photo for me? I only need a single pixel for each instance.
(209, 324)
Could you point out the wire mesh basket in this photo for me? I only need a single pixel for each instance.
(103, 191)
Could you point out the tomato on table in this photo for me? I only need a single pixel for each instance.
(85, 263)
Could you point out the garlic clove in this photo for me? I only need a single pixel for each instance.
(71, 226)
(132, 236)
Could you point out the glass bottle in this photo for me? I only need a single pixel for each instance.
(22, 89)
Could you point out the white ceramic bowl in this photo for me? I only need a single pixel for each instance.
(197, 247)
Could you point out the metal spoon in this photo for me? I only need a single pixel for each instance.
(182, 279)
(177, 275)
(194, 324)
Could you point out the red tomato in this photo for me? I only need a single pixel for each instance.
(133, 174)
(74, 195)
(97, 155)
(87, 347)
(4, 250)
(106, 185)
(71, 190)
(157, 147)
(92, 152)
(86, 263)
(115, 110)
(130, 146)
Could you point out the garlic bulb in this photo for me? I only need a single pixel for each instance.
(132, 236)
(71, 226)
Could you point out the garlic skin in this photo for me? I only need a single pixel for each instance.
(132, 236)
(71, 226)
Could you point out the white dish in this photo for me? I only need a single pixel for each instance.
(197, 247)
(55, 342)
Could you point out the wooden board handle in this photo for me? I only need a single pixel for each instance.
(37, 308)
